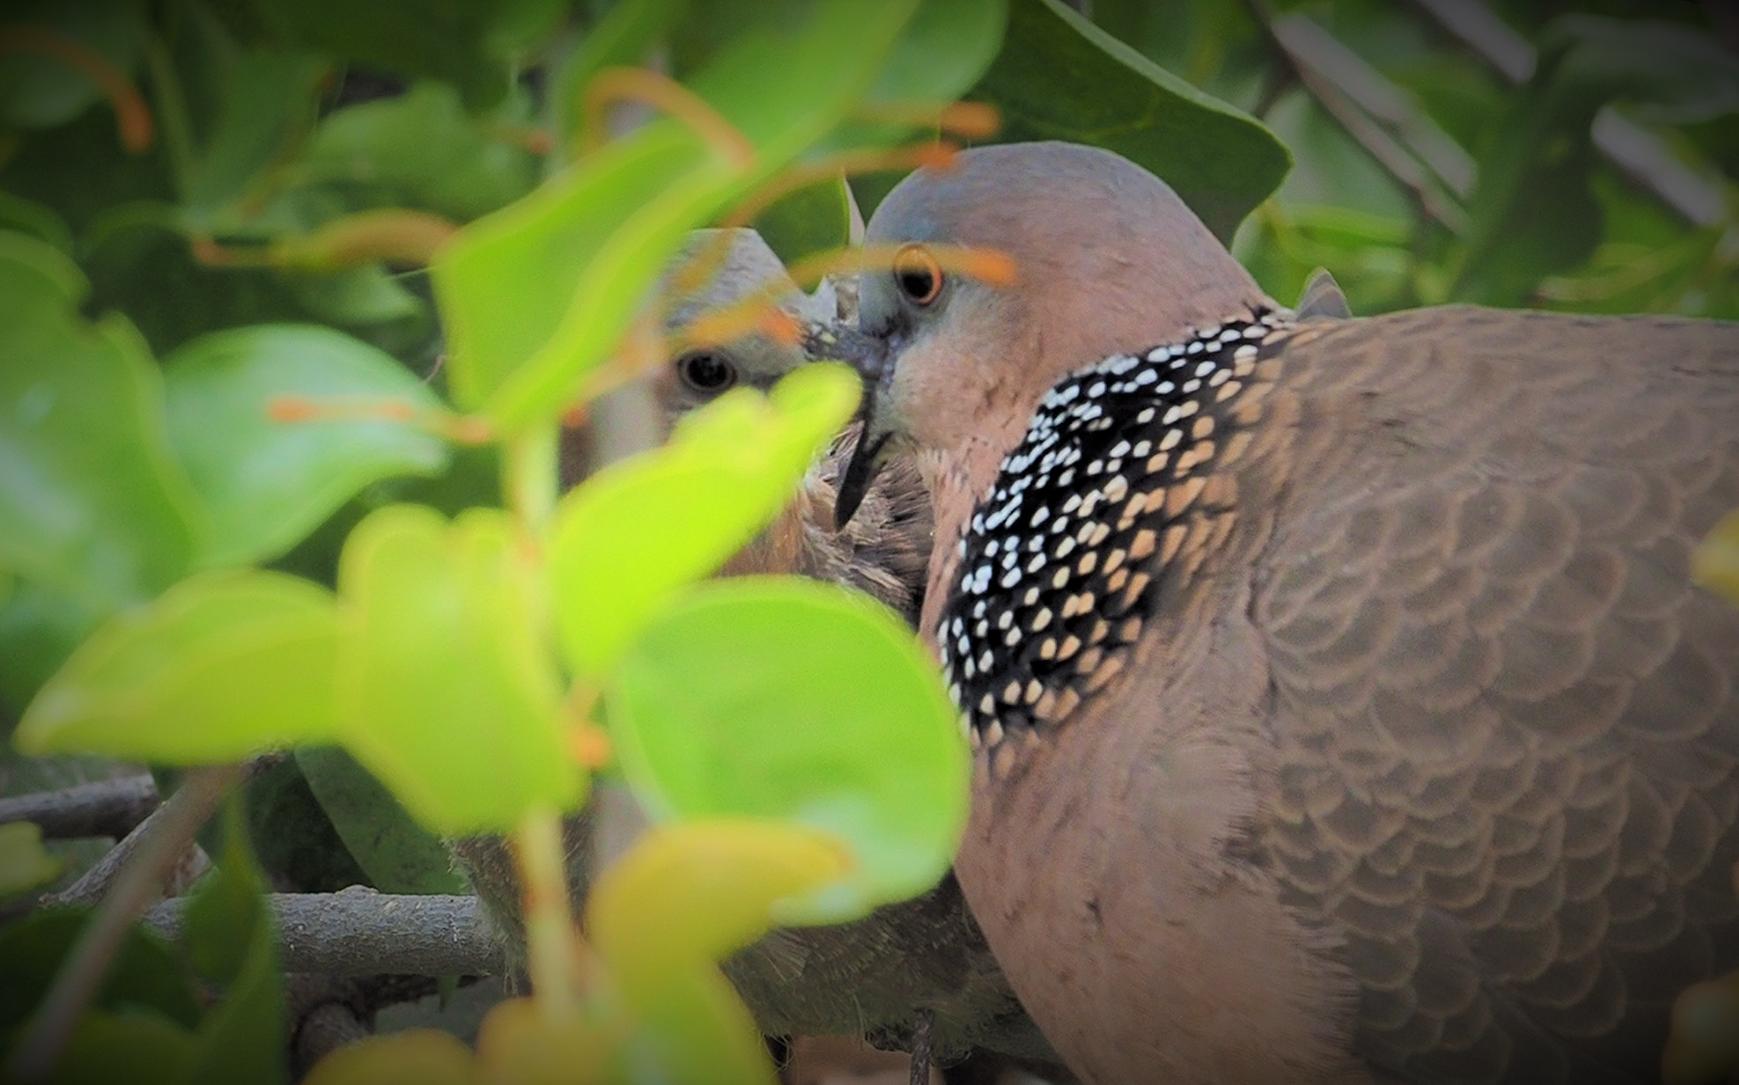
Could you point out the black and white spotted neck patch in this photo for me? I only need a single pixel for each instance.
(1060, 562)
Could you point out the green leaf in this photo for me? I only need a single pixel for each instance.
(411, 1057)
(681, 899)
(447, 692)
(1715, 563)
(811, 220)
(1534, 211)
(397, 854)
(222, 666)
(1060, 77)
(38, 91)
(519, 289)
(578, 257)
(420, 149)
(144, 973)
(23, 863)
(459, 41)
(725, 474)
(788, 699)
(93, 504)
(230, 937)
(267, 483)
(268, 102)
(128, 1046)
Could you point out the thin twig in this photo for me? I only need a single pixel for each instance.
(1635, 151)
(359, 932)
(101, 808)
(921, 1046)
(159, 844)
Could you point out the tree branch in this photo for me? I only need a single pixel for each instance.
(1635, 151)
(359, 932)
(103, 808)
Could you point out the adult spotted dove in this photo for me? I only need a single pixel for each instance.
(1344, 708)
(923, 957)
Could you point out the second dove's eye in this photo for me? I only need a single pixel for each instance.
(706, 371)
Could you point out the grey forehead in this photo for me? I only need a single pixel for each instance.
(749, 265)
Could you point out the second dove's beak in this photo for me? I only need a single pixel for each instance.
(869, 355)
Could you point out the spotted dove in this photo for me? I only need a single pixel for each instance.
(1344, 709)
(875, 975)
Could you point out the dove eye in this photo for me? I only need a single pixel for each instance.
(706, 371)
(917, 274)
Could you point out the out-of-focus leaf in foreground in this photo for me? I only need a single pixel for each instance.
(784, 699)
(618, 553)
(222, 666)
(446, 691)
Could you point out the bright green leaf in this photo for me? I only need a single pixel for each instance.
(541, 248)
(412, 1057)
(222, 666)
(447, 692)
(684, 897)
(94, 506)
(267, 483)
(1060, 77)
(783, 698)
(577, 258)
(23, 863)
(726, 472)
(397, 854)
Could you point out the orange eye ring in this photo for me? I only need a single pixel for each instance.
(917, 274)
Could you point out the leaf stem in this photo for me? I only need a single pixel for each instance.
(172, 113)
(552, 948)
(530, 480)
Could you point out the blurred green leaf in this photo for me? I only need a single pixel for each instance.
(725, 474)
(93, 504)
(578, 257)
(37, 220)
(1534, 212)
(223, 665)
(813, 219)
(129, 1046)
(269, 102)
(682, 898)
(296, 844)
(1060, 77)
(464, 43)
(421, 149)
(1715, 564)
(446, 691)
(23, 863)
(266, 482)
(514, 283)
(397, 854)
(783, 698)
(230, 937)
(411, 1057)
(38, 91)
(143, 974)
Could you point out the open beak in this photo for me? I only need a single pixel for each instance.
(868, 355)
